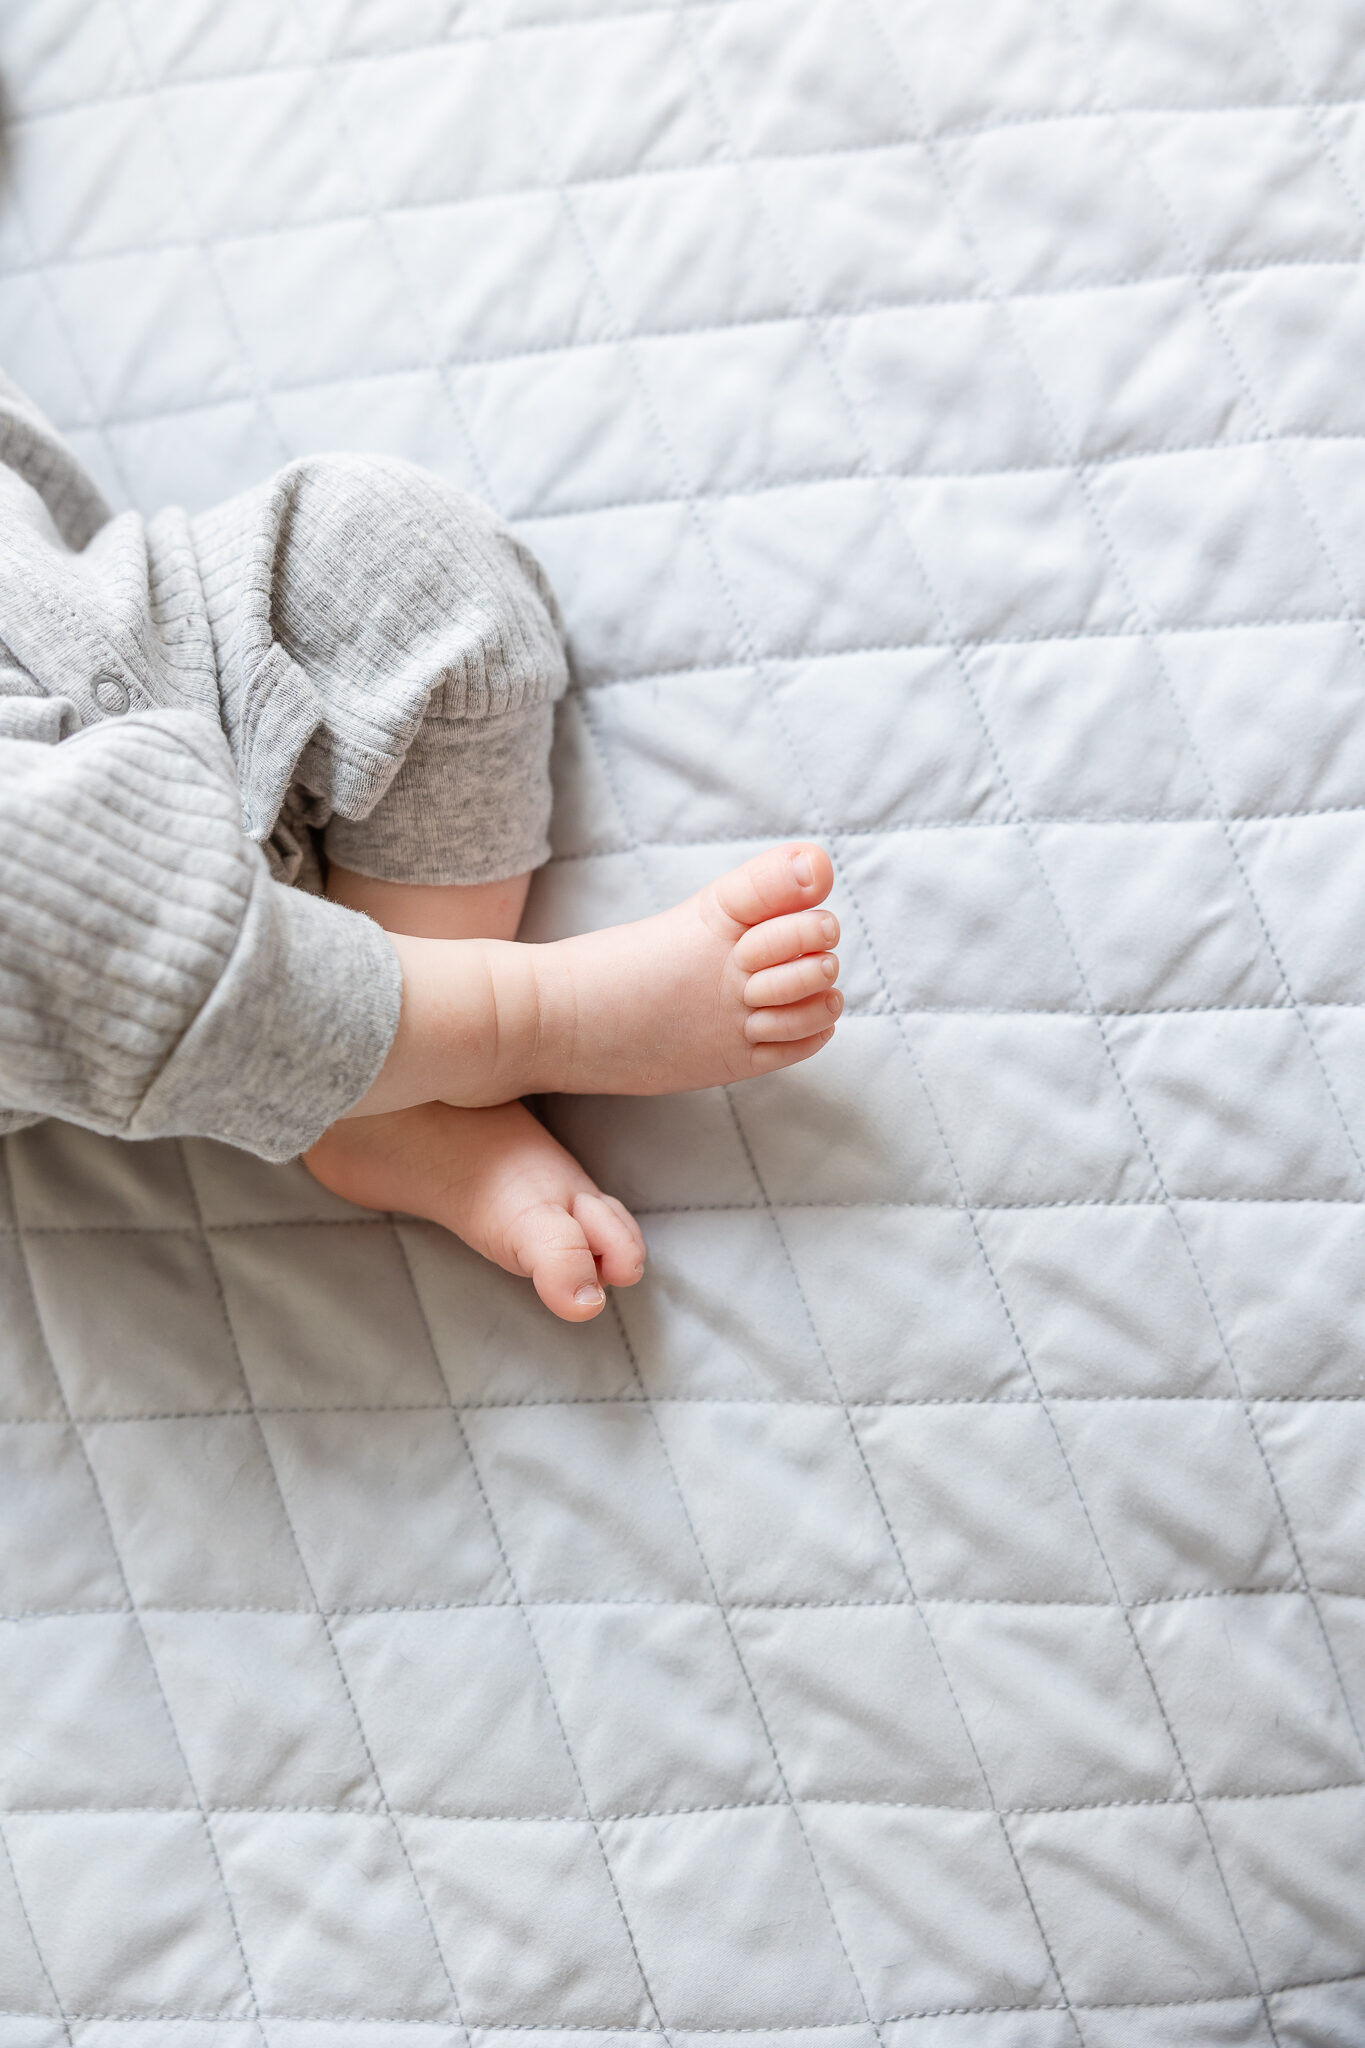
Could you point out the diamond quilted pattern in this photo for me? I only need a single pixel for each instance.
(926, 1613)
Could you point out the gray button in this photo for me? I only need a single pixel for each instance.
(111, 694)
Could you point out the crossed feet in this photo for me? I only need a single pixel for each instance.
(736, 981)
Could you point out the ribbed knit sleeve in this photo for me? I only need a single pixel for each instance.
(154, 979)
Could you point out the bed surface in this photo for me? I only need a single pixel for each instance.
(930, 1611)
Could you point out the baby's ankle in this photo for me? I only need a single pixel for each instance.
(503, 1045)
(539, 1018)
(547, 1011)
(468, 1028)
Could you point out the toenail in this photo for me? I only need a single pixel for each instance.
(589, 1297)
(829, 926)
(834, 1002)
(829, 967)
(802, 869)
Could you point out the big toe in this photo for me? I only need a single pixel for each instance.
(772, 884)
(552, 1247)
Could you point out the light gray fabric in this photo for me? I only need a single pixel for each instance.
(354, 604)
(929, 1612)
(349, 622)
(470, 803)
(153, 977)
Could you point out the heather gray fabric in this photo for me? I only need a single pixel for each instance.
(382, 656)
(470, 802)
(362, 616)
(153, 977)
(928, 1612)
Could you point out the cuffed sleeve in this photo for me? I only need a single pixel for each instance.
(154, 979)
(471, 803)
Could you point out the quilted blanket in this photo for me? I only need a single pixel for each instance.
(930, 1611)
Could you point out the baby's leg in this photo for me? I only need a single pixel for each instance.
(736, 981)
(499, 1181)
(459, 910)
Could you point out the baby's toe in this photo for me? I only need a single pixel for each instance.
(552, 1247)
(793, 1020)
(614, 1237)
(766, 1059)
(773, 884)
(792, 981)
(786, 938)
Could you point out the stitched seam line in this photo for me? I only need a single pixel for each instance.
(961, 132)
(200, 241)
(592, 1819)
(735, 1605)
(980, 1208)
(378, 217)
(19, 1810)
(515, 1401)
(32, 1932)
(444, 366)
(324, 1617)
(98, 1495)
(1230, 1998)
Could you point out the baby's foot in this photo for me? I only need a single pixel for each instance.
(499, 1181)
(736, 981)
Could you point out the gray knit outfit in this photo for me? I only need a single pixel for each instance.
(353, 655)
